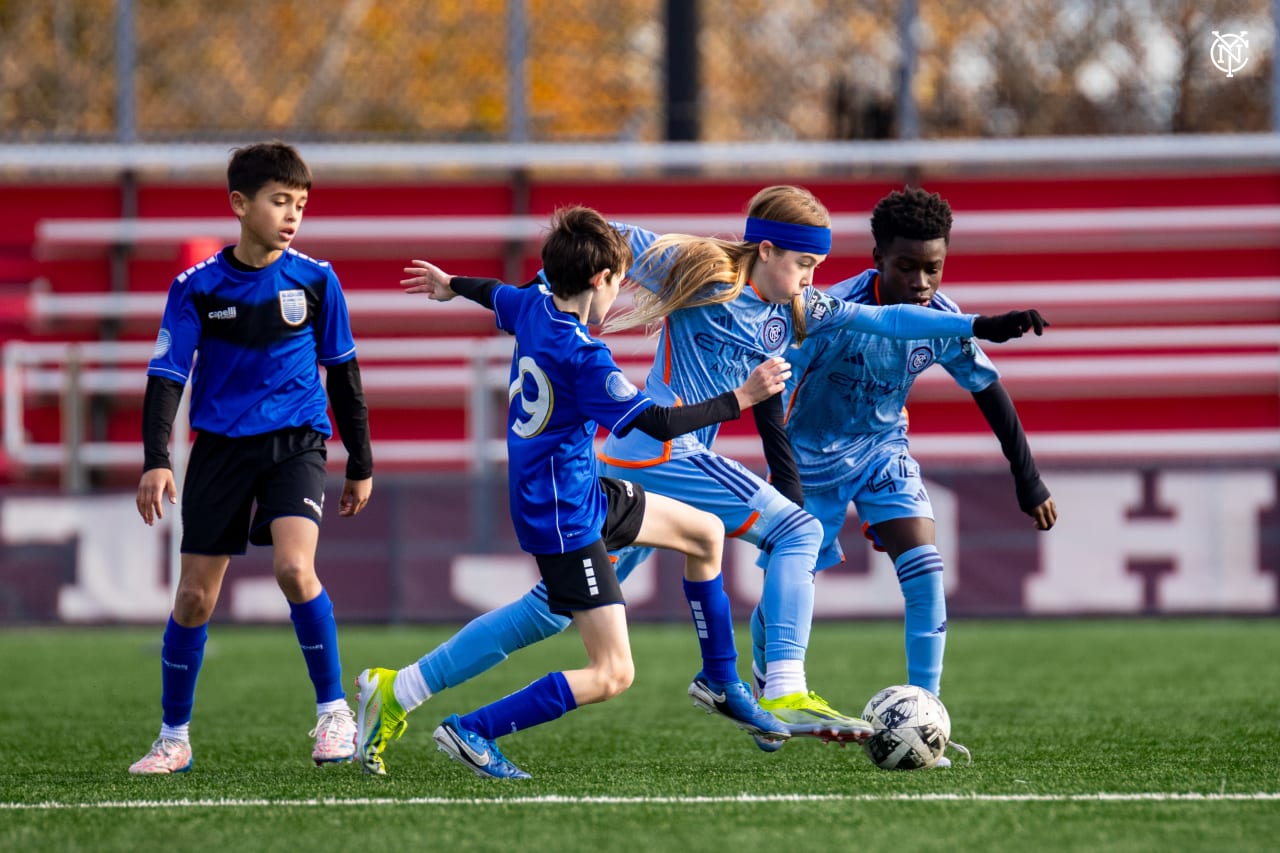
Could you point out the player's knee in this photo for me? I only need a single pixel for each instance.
(803, 534)
(296, 578)
(611, 679)
(193, 606)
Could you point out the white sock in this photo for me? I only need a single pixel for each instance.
(411, 688)
(323, 708)
(785, 677)
(182, 732)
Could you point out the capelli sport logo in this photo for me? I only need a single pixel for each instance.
(223, 314)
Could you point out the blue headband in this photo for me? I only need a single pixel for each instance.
(788, 235)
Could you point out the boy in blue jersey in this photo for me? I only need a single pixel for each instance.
(263, 317)
(847, 423)
(564, 383)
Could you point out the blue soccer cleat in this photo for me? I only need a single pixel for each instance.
(481, 755)
(734, 700)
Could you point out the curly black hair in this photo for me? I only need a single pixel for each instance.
(912, 214)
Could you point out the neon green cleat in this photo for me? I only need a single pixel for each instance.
(809, 714)
(379, 719)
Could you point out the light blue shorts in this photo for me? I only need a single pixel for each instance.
(888, 486)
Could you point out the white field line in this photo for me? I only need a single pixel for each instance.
(1159, 797)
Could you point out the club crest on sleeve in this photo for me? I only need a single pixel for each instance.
(162, 344)
(619, 387)
(919, 359)
(293, 306)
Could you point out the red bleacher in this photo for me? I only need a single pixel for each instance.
(1163, 291)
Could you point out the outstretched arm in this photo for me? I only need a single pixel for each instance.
(426, 277)
(1033, 495)
(666, 422)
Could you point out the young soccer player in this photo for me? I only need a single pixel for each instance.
(563, 383)
(847, 422)
(263, 317)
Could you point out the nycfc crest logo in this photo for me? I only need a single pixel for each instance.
(774, 333)
(1229, 52)
(293, 306)
(920, 358)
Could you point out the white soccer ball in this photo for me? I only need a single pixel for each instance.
(912, 728)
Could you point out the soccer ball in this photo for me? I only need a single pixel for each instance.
(911, 725)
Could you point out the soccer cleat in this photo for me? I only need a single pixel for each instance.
(166, 756)
(335, 735)
(379, 718)
(733, 700)
(809, 714)
(481, 755)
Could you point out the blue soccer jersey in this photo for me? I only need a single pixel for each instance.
(563, 383)
(706, 350)
(260, 336)
(848, 391)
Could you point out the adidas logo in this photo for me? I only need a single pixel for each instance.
(224, 314)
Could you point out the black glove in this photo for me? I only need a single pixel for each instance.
(1004, 327)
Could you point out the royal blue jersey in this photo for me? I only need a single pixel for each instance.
(706, 350)
(848, 391)
(563, 383)
(261, 336)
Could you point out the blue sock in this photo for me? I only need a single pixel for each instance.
(544, 700)
(924, 615)
(180, 658)
(711, 618)
(317, 632)
(486, 640)
(792, 545)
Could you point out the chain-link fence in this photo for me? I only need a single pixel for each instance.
(596, 70)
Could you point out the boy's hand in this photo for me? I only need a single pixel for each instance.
(429, 279)
(769, 378)
(355, 496)
(1004, 327)
(155, 484)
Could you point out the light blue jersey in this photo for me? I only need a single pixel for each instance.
(848, 391)
(709, 349)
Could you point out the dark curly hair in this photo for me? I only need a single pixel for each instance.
(911, 214)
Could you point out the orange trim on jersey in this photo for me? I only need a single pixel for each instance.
(786, 416)
(876, 290)
(751, 519)
(666, 445)
(752, 285)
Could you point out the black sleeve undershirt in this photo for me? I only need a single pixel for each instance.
(351, 416)
(783, 473)
(159, 408)
(666, 422)
(998, 409)
(476, 289)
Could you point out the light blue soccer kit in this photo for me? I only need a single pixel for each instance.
(847, 424)
(702, 352)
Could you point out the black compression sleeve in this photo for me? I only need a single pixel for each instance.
(351, 415)
(666, 422)
(159, 407)
(783, 473)
(998, 409)
(476, 289)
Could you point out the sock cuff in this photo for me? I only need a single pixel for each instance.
(178, 637)
(320, 607)
(699, 589)
(561, 685)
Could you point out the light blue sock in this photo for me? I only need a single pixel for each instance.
(714, 624)
(181, 655)
(546, 699)
(792, 545)
(317, 632)
(487, 640)
(924, 615)
(757, 644)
